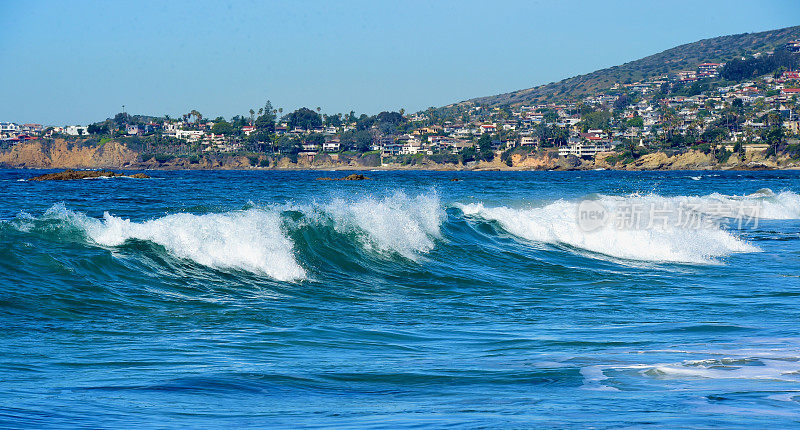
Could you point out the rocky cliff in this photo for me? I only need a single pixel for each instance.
(64, 154)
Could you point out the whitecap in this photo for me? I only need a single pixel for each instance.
(666, 241)
(398, 223)
(250, 240)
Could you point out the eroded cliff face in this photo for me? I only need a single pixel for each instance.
(62, 154)
(112, 154)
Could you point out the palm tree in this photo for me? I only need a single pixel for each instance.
(252, 113)
(197, 116)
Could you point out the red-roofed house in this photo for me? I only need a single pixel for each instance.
(708, 69)
(787, 76)
(488, 128)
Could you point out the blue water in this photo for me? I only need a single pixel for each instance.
(270, 299)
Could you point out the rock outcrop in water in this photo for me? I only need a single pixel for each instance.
(352, 177)
(70, 174)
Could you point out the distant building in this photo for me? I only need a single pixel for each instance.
(8, 128)
(790, 76)
(76, 130)
(793, 46)
(487, 128)
(528, 141)
(388, 146)
(32, 128)
(189, 135)
(585, 148)
(332, 145)
(687, 75)
(411, 145)
(708, 70)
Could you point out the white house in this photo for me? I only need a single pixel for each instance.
(585, 148)
(8, 127)
(411, 146)
(331, 145)
(189, 135)
(76, 130)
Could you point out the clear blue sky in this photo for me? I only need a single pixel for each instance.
(79, 61)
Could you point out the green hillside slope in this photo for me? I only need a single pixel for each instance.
(683, 57)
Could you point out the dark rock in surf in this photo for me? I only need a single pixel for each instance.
(70, 174)
(352, 177)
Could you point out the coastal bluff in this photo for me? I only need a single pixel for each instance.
(66, 154)
(59, 153)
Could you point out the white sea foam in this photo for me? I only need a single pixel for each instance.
(782, 205)
(250, 240)
(557, 223)
(767, 360)
(397, 223)
(752, 368)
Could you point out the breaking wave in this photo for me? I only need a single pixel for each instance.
(691, 231)
(263, 240)
(398, 223)
(250, 240)
(259, 239)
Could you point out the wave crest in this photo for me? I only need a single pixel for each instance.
(557, 223)
(397, 223)
(250, 240)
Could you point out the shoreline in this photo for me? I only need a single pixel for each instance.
(387, 169)
(60, 154)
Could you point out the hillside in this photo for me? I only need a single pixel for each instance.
(683, 57)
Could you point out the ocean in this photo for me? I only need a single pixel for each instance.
(259, 299)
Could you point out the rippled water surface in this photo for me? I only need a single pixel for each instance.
(255, 299)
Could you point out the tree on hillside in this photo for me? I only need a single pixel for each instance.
(222, 127)
(393, 118)
(304, 118)
(265, 123)
(97, 128)
(359, 140)
(774, 135)
(485, 151)
(197, 116)
(121, 119)
(332, 120)
(596, 120)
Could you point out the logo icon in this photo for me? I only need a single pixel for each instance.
(592, 215)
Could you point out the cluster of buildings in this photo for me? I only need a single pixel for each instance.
(635, 112)
(14, 133)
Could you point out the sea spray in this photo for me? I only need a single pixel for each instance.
(398, 223)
